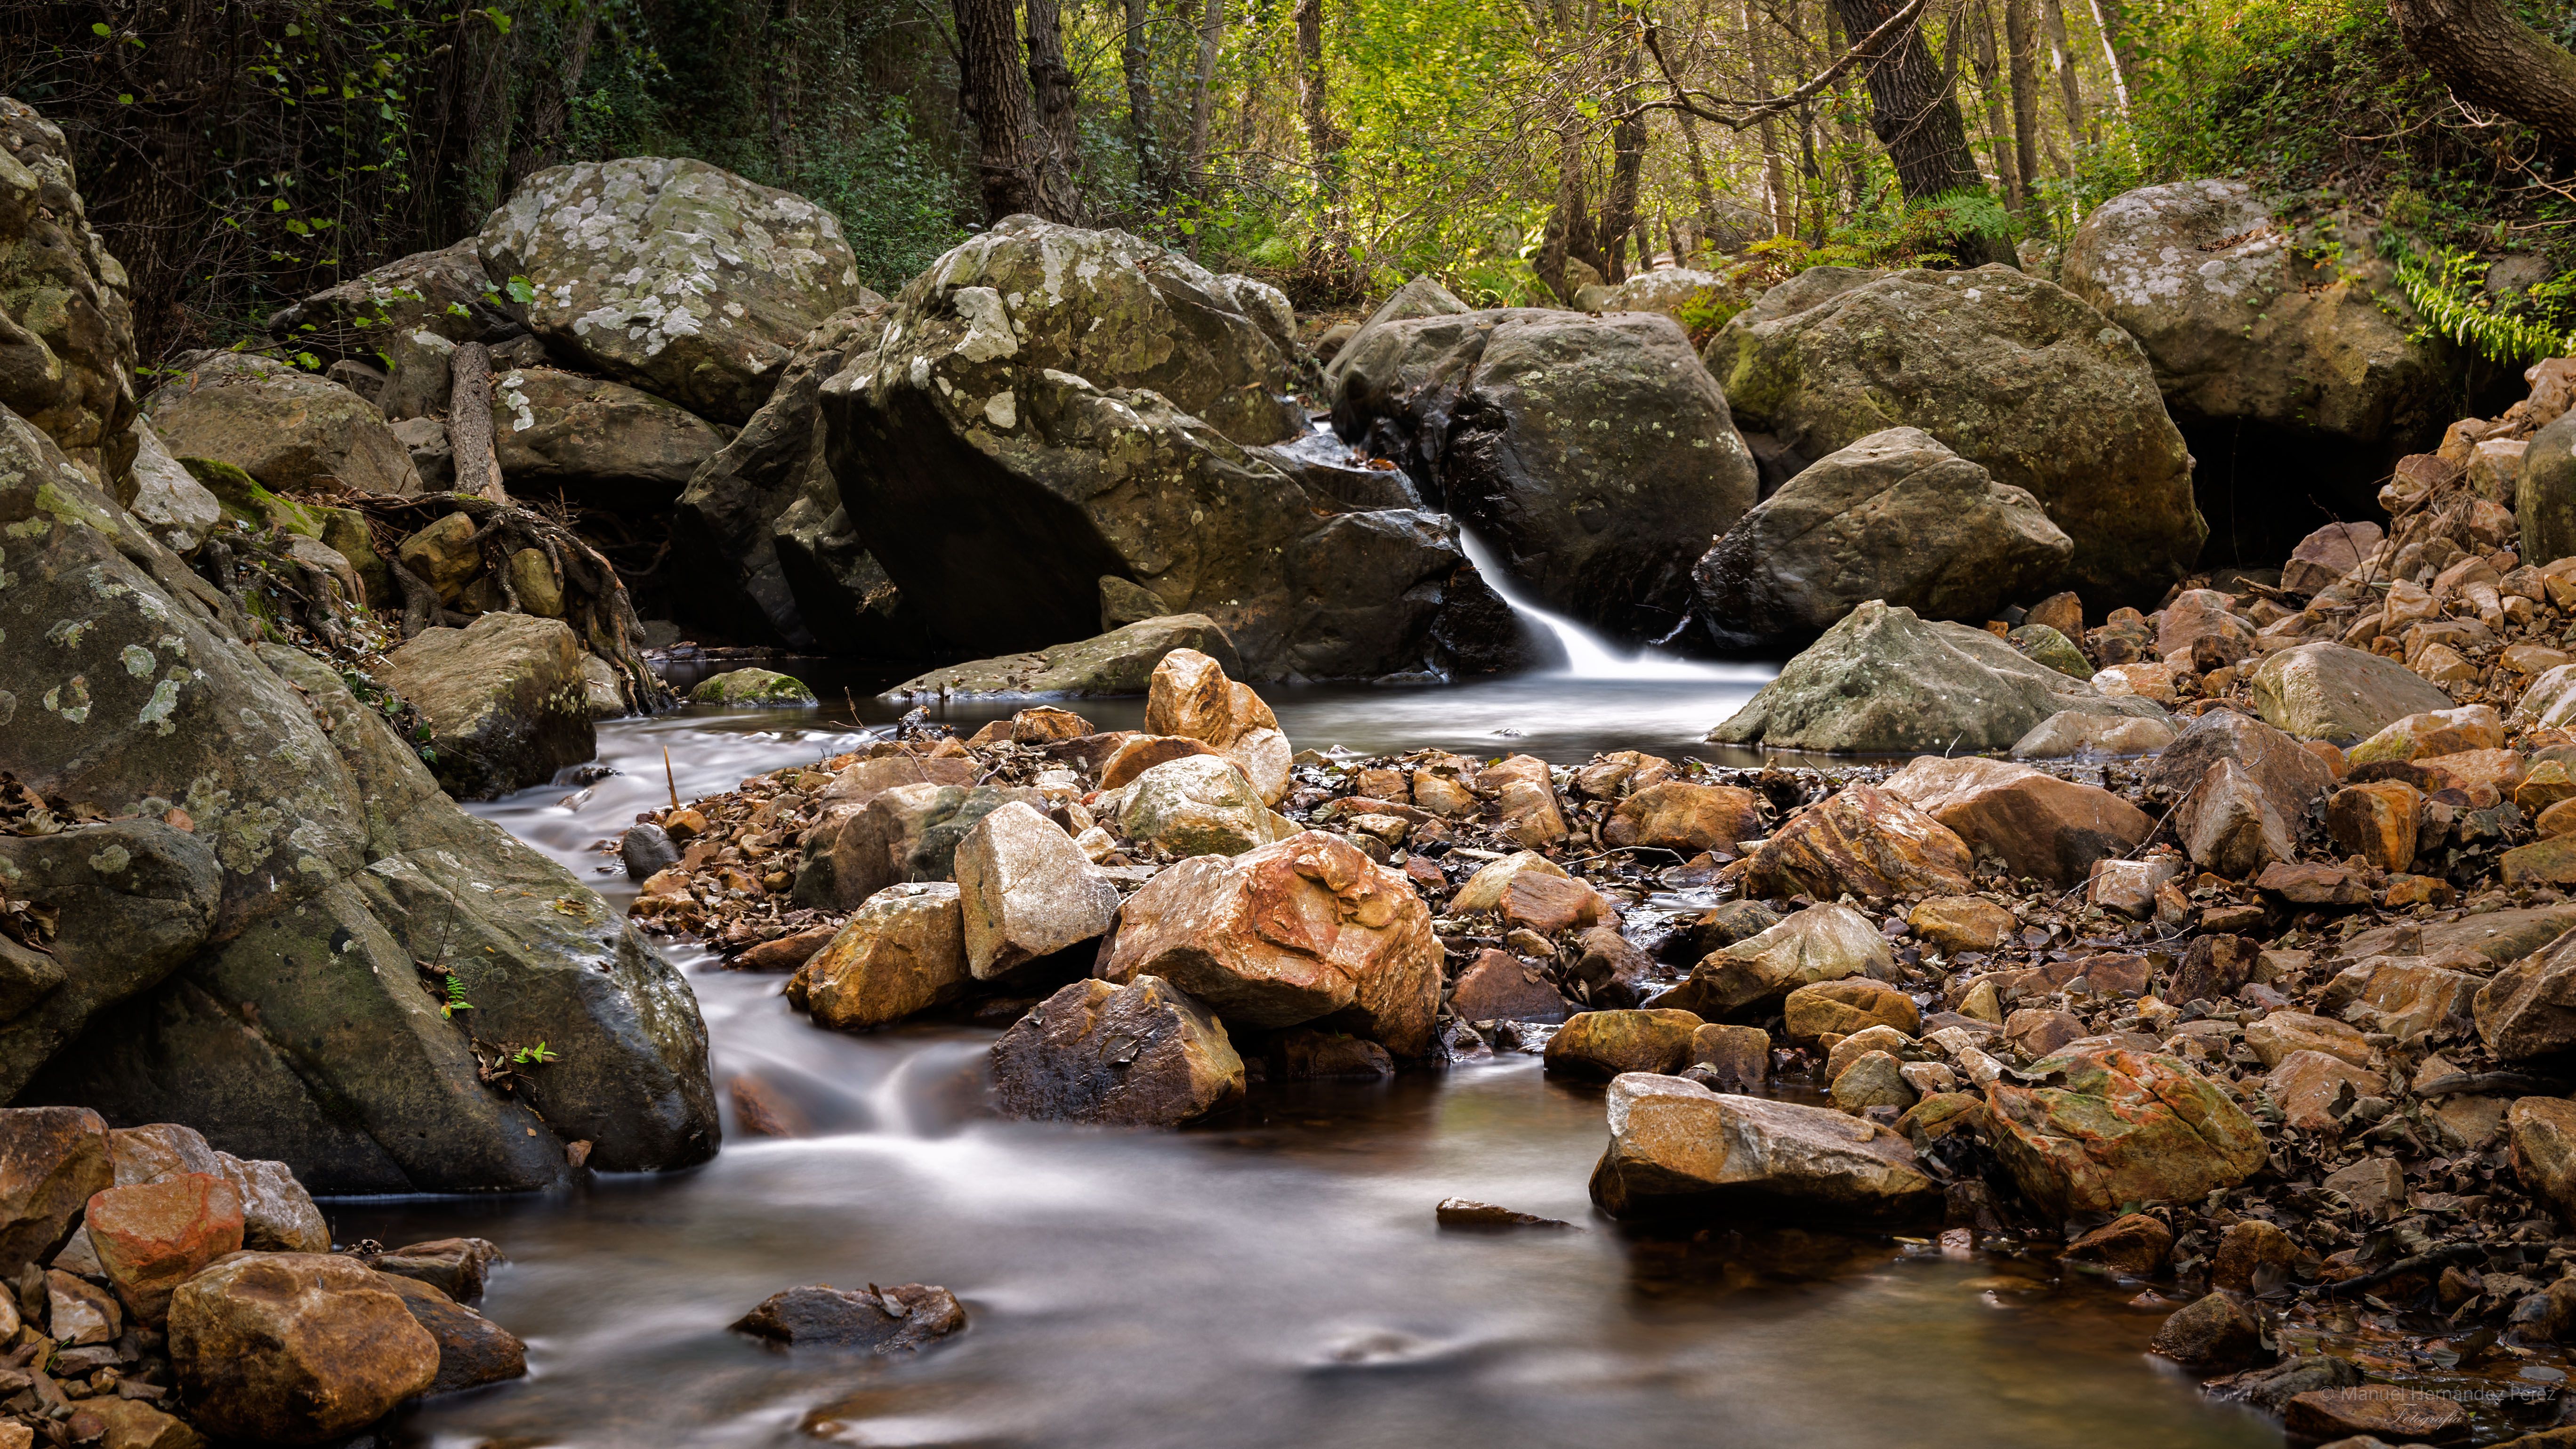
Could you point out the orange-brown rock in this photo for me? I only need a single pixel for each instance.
(152, 1237)
(1139, 753)
(1498, 986)
(2376, 821)
(1527, 889)
(1952, 924)
(294, 1348)
(1602, 1044)
(1852, 1004)
(1524, 795)
(2037, 824)
(1190, 696)
(2124, 1128)
(1862, 840)
(1685, 819)
(2135, 1245)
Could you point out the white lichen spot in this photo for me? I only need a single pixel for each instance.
(138, 660)
(111, 861)
(70, 699)
(68, 633)
(157, 709)
(1002, 411)
(988, 326)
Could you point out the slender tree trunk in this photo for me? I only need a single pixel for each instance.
(1775, 180)
(1702, 191)
(1915, 112)
(540, 142)
(1013, 168)
(2488, 58)
(2107, 21)
(1203, 96)
(1051, 83)
(2070, 86)
(1627, 160)
(1314, 104)
(2021, 47)
(1132, 59)
(469, 423)
(1990, 83)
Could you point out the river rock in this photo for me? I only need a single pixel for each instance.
(2113, 1128)
(2040, 826)
(2211, 1332)
(753, 688)
(1895, 517)
(68, 363)
(288, 429)
(505, 700)
(2529, 1008)
(1526, 888)
(1846, 1006)
(673, 275)
(1289, 933)
(2331, 692)
(1121, 661)
(1863, 840)
(295, 1348)
(1027, 891)
(1138, 1055)
(1885, 680)
(1679, 1149)
(2291, 778)
(278, 1215)
(602, 443)
(1684, 818)
(154, 1236)
(902, 952)
(1199, 805)
(2073, 736)
(2009, 372)
(2542, 1131)
(1421, 297)
(472, 1349)
(2230, 825)
(1821, 943)
(884, 1320)
(1498, 986)
(1592, 454)
(2134, 1244)
(1603, 1044)
(455, 1267)
(52, 1160)
(1189, 696)
(903, 833)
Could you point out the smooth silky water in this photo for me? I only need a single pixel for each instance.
(1274, 1278)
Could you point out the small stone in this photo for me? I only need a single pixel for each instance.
(2376, 821)
(2035, 1032)
(2376, 1186)
(2252, 1256)
(2214, 1331)
(2135, 1245)
(2384, 1411)
(2309, 1086)
(78, 1312)
(1733, 1055)
(1685, 819)
(52, 1159)
(1458, 1212)
(1874, 1079)
(883, 1320)
(1952, 924)
(1498, 986)
(1864, 841)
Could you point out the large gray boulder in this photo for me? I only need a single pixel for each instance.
(1593, 454)
(602, 443)
(2328, 691)
(288, 428)
(67, 354)
(300, 1028)
(1896, 517)
(1008, 457)
(1884, 680)
(679, 277)
(2013, 373)
(1421, 297)
(505, 700)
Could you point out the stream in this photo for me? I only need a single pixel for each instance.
(1275, 1278)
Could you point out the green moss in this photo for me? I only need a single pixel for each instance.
(247, 502)
(742, 687)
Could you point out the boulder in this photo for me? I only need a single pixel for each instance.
(2339, 694)
(1821, 943)
(278, 1215)
(296, 1028)
(2528, 1009)
(1679, 1149)
(2291, 777)
(1669, 290)
(600, 443)
(1027, 891)
(1685, 819)
(52, 1160)
(753, 689)
(152, 1237)
(2007, 371)
(903, 833)
(2230, 825)
(903, 951)
(1198, 805)
(1421, 297)
(1861, 840)
(1189, 697)
(1603, 1044)
(1592, 455)
(2111, 1128)
(1885, 680)
(295, 1348)
(673, 275)
(408, 316)
(1138, 1055)
(1289, 933)
(504, 698)
(883, 1320)
(167, 498)
(68, 362)
(1498, 986)
(1841, 1008)
(472, 1349)
(1895, 517)
(2542, 1131)
(1121, 661)
(288, 429)
(2040, 826)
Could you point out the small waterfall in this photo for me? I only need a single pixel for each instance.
(1587, 655)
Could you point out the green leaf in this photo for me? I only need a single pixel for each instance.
(521, 291)
(100, 28)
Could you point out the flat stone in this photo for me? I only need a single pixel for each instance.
(2040, 826)
(1121, 661)
(882, 1320)
(1679, 1149)
(1820, 943)
(1843, 1007)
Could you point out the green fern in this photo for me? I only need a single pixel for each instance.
(456, 1001)
(2444, 287)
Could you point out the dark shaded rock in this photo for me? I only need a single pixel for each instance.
(1139, 1055)
(505, 701)
(2272, 1387)
(455, 1267)
(1458, 1212)
(472, 1349)
(884, 1320)
(646, 850)
(2213, 1331)
(51, 1160)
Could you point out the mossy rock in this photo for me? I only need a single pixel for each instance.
(742, 687)
(2044, 645)
(243, 499)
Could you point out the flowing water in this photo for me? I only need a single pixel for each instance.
(1272, 1279)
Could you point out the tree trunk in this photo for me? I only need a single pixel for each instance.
(1051, 82)
(2021, 47)
(1990, 83)
(2107, 21)
(1915, 113)
(2488, 58)
(1132, 59)
(1702, 191)
(1775, 177)
(1627, 161)
(1323, 141)
(1013, 167)
(1203, 98)
(2070, 86)
(540, 139)
(469, 423)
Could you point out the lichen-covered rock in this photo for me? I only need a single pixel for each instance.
(1199, 805)
(1896, 517)
(67, 363)
(1139, 1055)
(1421, 297)
(167, 497)
(1121, 661)
(1679, 1149)
(288, 429)
(295, 1027)
(674, 275)
(1669, 290)
(295, 1348)
(2112, 1128)
(1885, 680)
(505, 699)
(743, 688)
(601, 443)
(407, 316)
(1289, 933)
(2006, 370)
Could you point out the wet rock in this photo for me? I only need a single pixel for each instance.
(1846, 1006)
(505, 700)
(1678, 1149)
(2271, 1388)
(1885, 681)
(52, 1159)
(71, 346)
(1952, 924)
(2040, 826)
(2115, 1128)
(1121, 661)
(1139, 1055)
(287, 428)
(2399, 1415)
(884, 1320)
(1287, 934)
(151, 1237)
(1027, 890)
(1498, 986)
(1602, 1044)
(673, 275)
(2011, 372)
(1864, 841)
(472, 1349)
(1730, 1055)
(2230, 826)
(1199, 805)
(1458, 1212)
(456, 1267)
(1307, 1055)
(2212, 1331)
(902, 952)
(1685, 819)
(905, 833)
(1820, 943)
(2253, 1256)
(752, 688)
(2074, 736)
(1872, 1079)
(1190, 696)
(2330, 692)
(1895, 517)
(2134, 1244)
(603, 443)
(295, 1348)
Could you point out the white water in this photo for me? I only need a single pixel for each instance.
(1587, 655)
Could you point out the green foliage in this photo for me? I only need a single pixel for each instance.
(2445, 287)
(455, 1001)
